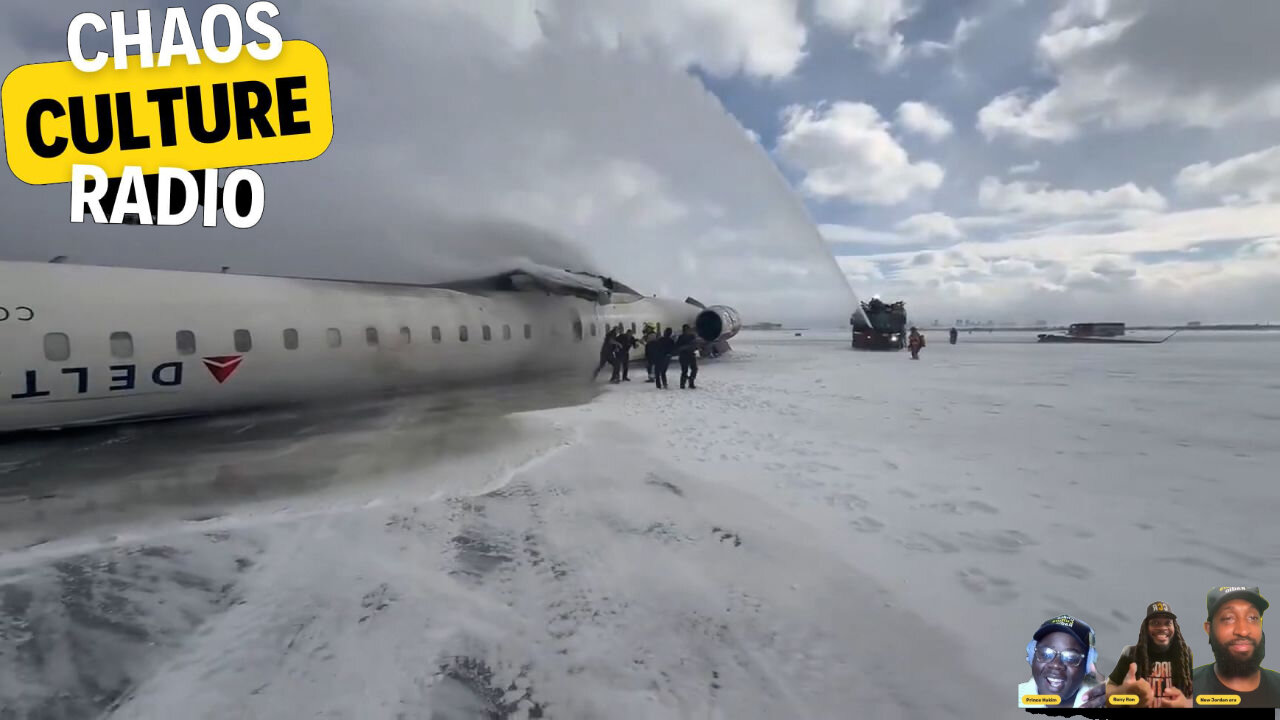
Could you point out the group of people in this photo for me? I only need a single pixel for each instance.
(658, 351)
(1158, 671)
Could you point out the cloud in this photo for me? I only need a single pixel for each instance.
(762, 38)
(1027, 169)
(871, 23)
(965, 29)
(1038, 199)
(1016, 114)
(924, 119)
(845, 151)
(469, 140)
(931, 225)
(1227, 253)
(834, 233)
(1252, 178)
(1122, 64)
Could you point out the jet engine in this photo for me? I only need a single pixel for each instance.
(718, 323)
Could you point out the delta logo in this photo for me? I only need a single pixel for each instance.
(222, 367)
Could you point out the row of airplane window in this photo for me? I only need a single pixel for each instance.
(57, 346)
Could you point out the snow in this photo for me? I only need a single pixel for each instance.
(813, 532)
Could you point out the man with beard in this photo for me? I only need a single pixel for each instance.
(1062, 655)
(1158, 668)
(1234, 627)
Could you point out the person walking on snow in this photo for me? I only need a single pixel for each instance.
(627, 341)
(606, 353)
(915, 341)
(687, 347)
(663, 348)
(650, 344)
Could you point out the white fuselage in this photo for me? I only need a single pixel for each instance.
(83, 345)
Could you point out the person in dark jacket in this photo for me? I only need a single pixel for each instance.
(663, 349)
(606, 353)
(687, 348)
(650, 344)
(628, 342)
(615, 358)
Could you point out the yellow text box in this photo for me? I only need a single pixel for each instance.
(39, 105)
(1217, 699)
(1123, 699)
(1041, 699)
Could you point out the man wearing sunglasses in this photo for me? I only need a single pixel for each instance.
(1062, 656)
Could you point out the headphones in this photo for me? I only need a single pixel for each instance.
(1090, 659)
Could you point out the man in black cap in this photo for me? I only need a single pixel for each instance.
(1062, 656)
(1234, 627)
(1158, 668)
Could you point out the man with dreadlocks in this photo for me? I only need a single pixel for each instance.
(1158, 668)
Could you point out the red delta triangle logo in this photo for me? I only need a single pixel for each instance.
(222, 366)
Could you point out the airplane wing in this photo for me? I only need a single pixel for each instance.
(532, 277)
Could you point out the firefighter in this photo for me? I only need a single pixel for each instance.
(915, 341)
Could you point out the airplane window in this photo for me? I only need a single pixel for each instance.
(290, 339)
(528, 331)
(485, 331)
(334, 336)
(371, 335)
(462, 333)
(593, 329)
(435, 333)
(186, 341)
(57, 347)
(244, 341)
(506, 332)
(577, 329)
(121, 345)
(405, 335)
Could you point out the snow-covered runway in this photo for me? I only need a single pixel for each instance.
(812, 533)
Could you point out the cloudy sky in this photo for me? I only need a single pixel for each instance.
(1002, 159)
(1021, 160)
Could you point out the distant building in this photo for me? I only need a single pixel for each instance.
(764, 326)
(1194, 323)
